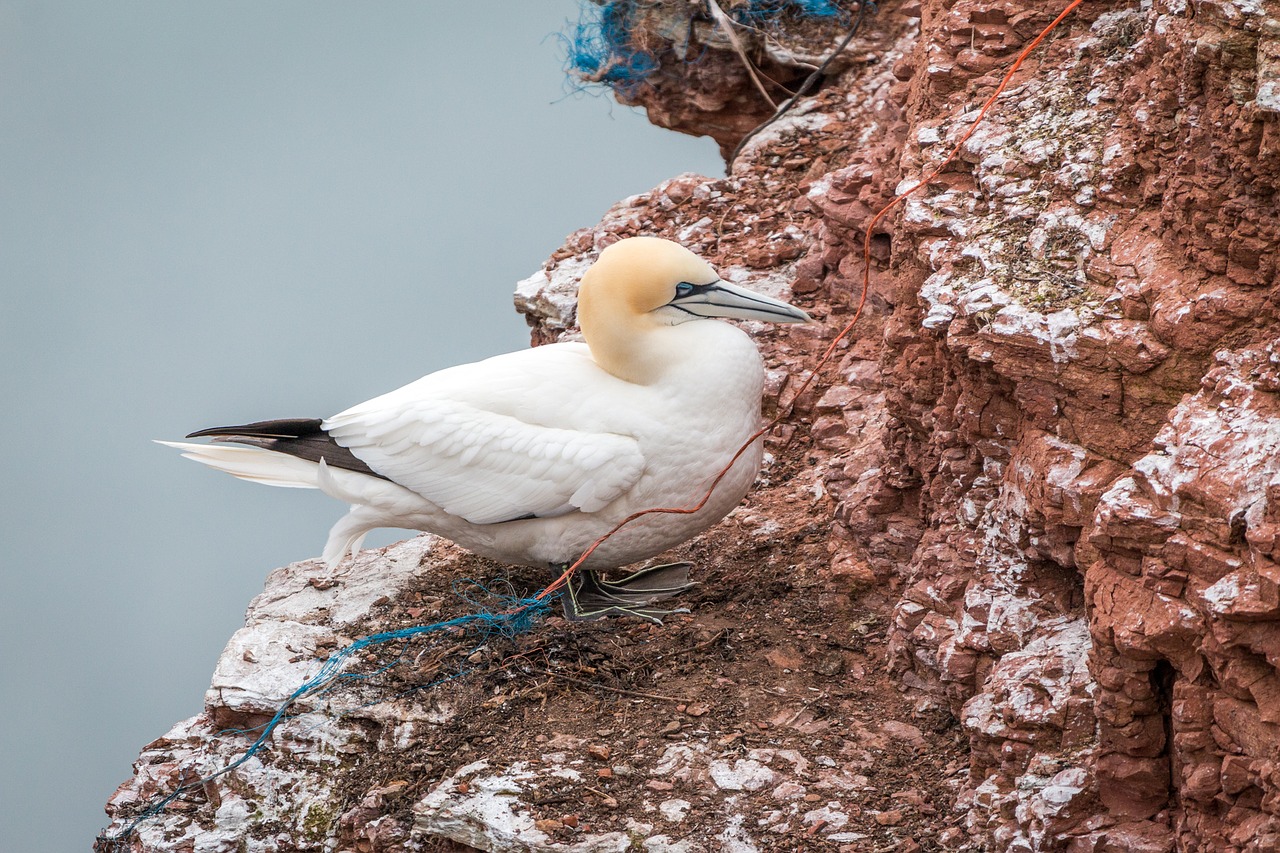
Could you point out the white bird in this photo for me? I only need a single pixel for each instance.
(530, 457)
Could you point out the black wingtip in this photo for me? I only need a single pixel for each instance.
(301, 437)
(287, 428)
(205, 433)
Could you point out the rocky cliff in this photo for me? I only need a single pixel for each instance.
(1009, 579)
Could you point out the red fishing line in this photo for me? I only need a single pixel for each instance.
(560, 582)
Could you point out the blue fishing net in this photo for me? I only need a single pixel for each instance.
(603, 48)
(497, 615)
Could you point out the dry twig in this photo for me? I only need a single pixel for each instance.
(727, 24)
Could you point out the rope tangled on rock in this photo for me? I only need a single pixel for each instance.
(806, 86)
(560, 582)
(520, 615)
(606, 47)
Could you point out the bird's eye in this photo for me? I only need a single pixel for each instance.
(684, 288)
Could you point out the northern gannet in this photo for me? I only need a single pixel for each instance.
(529, 457)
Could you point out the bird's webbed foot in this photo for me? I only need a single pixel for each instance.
(588, 597)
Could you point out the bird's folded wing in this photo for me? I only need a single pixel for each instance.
(487, 467)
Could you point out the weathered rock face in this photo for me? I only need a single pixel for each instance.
(1106, 231)
(700, 82)
(1044, 470)
(1058, 290)
(1185, 606)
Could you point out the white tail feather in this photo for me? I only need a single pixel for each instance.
(255, 464)
(376, 502)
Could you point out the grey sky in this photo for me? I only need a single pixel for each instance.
(217, 212)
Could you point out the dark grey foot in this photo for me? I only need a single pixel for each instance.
(588, 597)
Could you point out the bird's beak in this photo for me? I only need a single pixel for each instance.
(721, 299)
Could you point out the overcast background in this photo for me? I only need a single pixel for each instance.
(218, 212)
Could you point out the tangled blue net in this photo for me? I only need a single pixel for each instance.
(516, 616)
(767, 10)
(602, 48)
